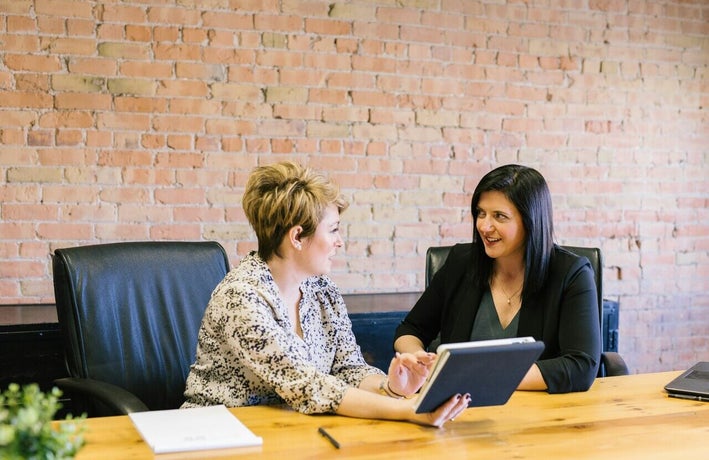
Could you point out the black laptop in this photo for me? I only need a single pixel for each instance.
(692, 384)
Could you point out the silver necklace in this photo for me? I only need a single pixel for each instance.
(509, 297)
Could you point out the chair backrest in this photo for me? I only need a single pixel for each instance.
(437, 255)
(596, 258)
(130, 312)
(435, 258)
(611, 362)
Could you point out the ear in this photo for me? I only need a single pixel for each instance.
(294, 237)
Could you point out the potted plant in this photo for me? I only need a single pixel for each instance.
(26, 428)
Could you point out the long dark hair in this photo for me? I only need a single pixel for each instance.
(527, 190)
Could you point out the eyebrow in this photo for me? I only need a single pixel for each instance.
(499, 211)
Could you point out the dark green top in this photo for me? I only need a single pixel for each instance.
(487, 324)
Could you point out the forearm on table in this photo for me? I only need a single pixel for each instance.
(371, 383)
(533, 380)
(408, 344)
(362, 403)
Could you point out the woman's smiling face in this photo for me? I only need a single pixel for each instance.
(500, 226)
(321, 247)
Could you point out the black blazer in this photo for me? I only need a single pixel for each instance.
(564, 315)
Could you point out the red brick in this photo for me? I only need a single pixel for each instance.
(138, 33)
(149, 176)
(92, 66)
(166, 34)
(165, 51)
(19, 23)
(70, 8)
(66, 119)
(80, 27)
(107, 32)
(608, 5)
(195, 106)
(119, 12)
(74, 46)
(373, 64)
(98, 139)
(182, 232)
(200, 71)
(140, 104)
(122, 232)
(182, 88)
(171, 15)
(82, 101)
(120, 50)
(64, 231)
(158, 70)
(179, 123)
(123, 121)
(64, 157)
(51, 25)
(283, 23)
(228, 20)
(68, 137)
(40, 138)
(21, 269)
(12, 136)
(28, 62)
(327, 27)
(76, 193)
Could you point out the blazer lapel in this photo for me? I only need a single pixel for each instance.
(467, 302)
(531, 320)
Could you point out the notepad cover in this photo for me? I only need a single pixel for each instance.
(179, 430)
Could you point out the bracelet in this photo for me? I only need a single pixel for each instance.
(386, 390)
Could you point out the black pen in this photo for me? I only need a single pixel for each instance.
(332, 440)
(692, 397)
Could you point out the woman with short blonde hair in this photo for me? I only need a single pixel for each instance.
(282, 195)
(276, 329)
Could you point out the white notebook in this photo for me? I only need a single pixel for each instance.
(179, 430)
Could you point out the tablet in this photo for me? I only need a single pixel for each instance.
(490, 370)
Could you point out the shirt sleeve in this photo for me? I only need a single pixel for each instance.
(578, 335)
(348, 364)
(310, 377)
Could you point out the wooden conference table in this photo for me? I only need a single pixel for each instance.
(619, 417)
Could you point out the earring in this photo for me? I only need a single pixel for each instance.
(298, 246)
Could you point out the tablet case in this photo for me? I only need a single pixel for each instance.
(489, 370)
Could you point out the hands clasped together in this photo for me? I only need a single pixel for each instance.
(407, 374)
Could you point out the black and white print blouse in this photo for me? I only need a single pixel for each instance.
(248, 352)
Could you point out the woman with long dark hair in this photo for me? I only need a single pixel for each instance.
(513, 281)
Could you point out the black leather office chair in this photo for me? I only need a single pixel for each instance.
(129, 315)
(612, 363)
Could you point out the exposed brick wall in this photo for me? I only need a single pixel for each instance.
(140, 120)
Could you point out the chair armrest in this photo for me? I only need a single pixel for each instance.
(614, 364)
(117, 399)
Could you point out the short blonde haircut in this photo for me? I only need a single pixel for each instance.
(282, 195)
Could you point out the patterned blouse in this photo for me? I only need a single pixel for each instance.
(248, 352)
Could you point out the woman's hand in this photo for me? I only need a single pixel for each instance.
(408, 371)
(446, 412)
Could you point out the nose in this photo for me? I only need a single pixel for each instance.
(338, 242)
(484, 224)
